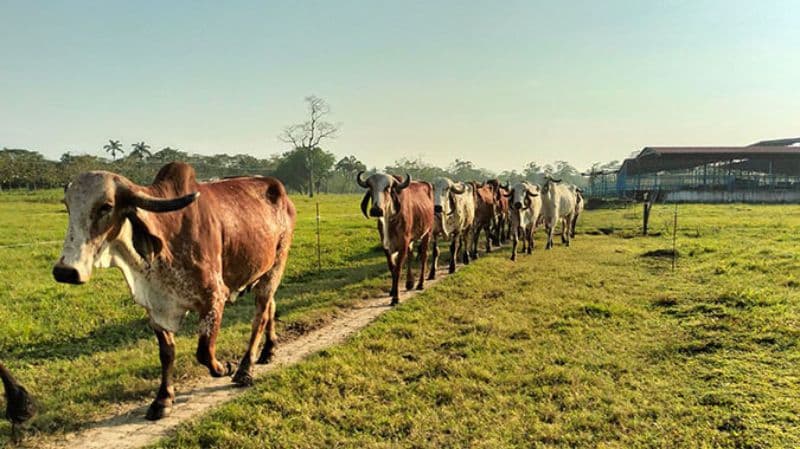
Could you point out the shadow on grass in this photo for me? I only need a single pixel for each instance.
(293, 295)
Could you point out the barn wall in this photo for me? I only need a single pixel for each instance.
(740, 196)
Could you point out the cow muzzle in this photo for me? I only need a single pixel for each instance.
(375, 212)
(437, 209)
(518, 205)
(67, 275)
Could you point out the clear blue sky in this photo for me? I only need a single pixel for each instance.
(496, 82)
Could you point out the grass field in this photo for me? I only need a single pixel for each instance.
(598, 345)
(83, 349)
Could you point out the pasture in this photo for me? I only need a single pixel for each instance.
(598, 345)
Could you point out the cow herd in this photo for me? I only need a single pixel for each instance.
(184, 245)
(416, 212)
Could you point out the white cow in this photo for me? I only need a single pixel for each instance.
(525, 205)
(579, 205)
(454, 215)
(558, 206)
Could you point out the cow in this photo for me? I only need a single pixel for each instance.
(184, 246)
(503, 218)
(19, 405)
(526, 206)
(486, 196)
(404, 209)
(558, 206)
(579, 205)
(454, 211)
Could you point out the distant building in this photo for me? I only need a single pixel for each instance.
(764, 172)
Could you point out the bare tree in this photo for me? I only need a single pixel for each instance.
(307, 136)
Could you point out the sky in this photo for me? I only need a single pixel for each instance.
(499, 83)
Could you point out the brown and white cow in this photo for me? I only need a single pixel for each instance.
(19, 405)
(184, 246)
(454, 211)
(486, 211)
(526, 206)
(404, 210)
(502, 218)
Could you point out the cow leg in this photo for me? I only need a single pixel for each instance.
(465, 241)
(435, 262)
(409, 269)
(549, 229)
(529, 237)
(476, 234)
(454, 252)
(423, 260)
(488, 239)
(207, 343)
(396, 271)
(162, 405)
(19, 406)
(514, 239)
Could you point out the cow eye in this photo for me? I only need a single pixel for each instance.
(104, 209)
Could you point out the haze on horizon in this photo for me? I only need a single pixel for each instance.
(497, 83)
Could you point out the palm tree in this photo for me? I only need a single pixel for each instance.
(140, 151)
(113, 147)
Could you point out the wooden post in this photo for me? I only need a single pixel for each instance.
(674, 236)
(648, 204)
(319, 251)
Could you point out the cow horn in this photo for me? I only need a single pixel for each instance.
(360, 181)
(529, 193)
(404, 184)
(458, 190)
(152, 204)
(509, 194)
(365, 203)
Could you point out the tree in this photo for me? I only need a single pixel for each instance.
(113, 147)
(349, 165)
(307, 136)
(141, 151)
(294, 169)
(168, 154)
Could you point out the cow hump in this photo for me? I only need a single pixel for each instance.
(176, 178)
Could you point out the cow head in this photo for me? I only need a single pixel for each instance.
(520, 195)
(383, 190)
(549, 184)
(98, 203)
(444, 203)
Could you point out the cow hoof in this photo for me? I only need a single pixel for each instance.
(243, 379)
(410, 286)
(264, 359)
(431, 277)
(513, 259)
(395, 301)
(157, 411)
(451, 270)
(420, 287)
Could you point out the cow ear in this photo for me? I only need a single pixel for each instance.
(146, 244)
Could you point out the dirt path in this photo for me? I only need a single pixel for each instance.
(129, 429)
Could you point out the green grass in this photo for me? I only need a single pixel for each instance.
(599, 345)
(81, 350)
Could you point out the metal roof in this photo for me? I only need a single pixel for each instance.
(764, 158)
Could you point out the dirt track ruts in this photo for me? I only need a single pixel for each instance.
(129, 429)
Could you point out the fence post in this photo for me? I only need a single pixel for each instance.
(674, 236)
(319, 251)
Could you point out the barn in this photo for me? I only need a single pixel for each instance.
(764, 172)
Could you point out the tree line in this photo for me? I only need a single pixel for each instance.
(307, 171)
(306, 168)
